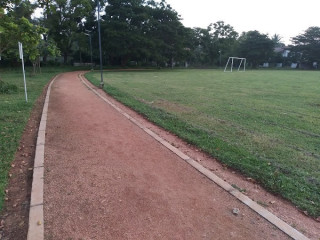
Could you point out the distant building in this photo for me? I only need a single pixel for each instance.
(283, 50)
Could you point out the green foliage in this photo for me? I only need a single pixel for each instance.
(308, 45)
(263, 123)
(256, 47)
(8, 30)
(137, 31)
(15, 26)
(64, 19)
(208, 44)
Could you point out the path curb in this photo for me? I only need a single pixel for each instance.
(280, 224)
(36, 223)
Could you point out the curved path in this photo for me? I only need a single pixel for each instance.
(105, 178)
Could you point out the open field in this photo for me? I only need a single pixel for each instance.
(14, 114)
(265, 124)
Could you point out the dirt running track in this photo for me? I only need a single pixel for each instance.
(105, 178)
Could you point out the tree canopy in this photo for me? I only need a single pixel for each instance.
(145, 32)
(256, 47)
(308, 45)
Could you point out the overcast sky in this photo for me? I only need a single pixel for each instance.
(288, 18)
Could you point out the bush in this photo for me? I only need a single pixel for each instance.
(7, 88)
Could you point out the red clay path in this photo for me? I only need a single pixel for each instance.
(105, 178)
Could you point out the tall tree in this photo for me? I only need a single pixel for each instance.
(64, 20)
(8, 30)
(307, 44)
(256, 47)
(276, 38)
(139, 30)
(224, 39)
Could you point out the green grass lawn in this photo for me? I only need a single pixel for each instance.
(266, 124)
(14, 114)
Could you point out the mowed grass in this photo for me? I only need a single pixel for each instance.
(14, 115)
(265, 124)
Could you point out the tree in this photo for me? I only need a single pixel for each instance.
(225, 38)
(276, 38)
(256, 47)
(308, 45)
(136, 30)
(212, 42)
(8, 30)
(167, 32)
(64, 19)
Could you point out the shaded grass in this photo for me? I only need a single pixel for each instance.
(14, 114)
(266, 124)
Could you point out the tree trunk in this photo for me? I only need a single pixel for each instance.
(124, 61)
(65, 58)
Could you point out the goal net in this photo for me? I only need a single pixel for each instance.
(236, 62)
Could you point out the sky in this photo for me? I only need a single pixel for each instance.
(287, 18)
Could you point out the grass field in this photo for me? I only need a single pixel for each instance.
(14, 114)
(265, 124)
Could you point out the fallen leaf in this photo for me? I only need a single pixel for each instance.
(39, 223)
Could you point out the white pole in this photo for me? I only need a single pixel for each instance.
(227, 64)
(240, 65)
(231, 64)
(24, 74)
(245, 60)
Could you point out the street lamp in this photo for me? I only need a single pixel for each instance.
(89, 34)
(220, 58)
(101, 82)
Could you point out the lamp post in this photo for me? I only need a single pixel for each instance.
(101, 82)
(219, 58)
(90, 41)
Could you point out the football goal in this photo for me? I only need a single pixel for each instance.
(236, 62)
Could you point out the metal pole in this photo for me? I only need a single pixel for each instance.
(231, 64)
(240, 65)
(245, 61)
(24, 75)
(90, 42)
(101, 72)
(227, 64)
(91, 50)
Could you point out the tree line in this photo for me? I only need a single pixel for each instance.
(139, 32)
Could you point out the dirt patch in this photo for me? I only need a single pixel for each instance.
(15, 214)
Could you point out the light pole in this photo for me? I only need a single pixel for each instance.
(101, 82)
(89, 34)
(220, 58)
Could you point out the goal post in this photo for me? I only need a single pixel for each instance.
(232, 60)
